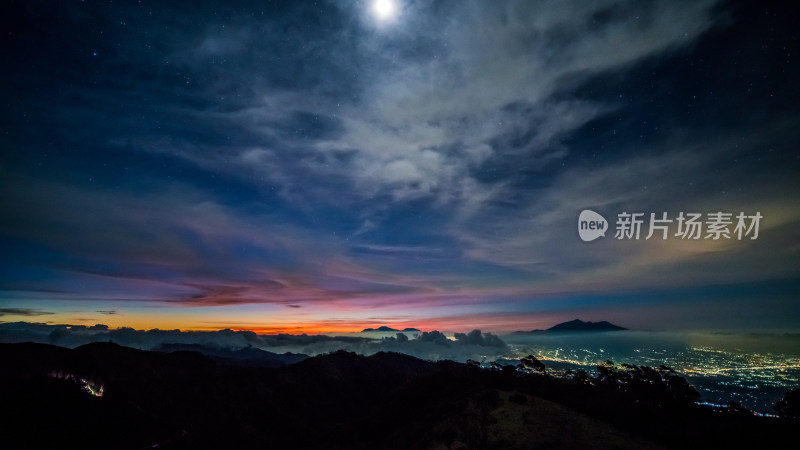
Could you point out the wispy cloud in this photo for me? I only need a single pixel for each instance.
(488, 91)
(25, 312)
(309, 160)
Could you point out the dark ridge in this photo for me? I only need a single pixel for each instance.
(389, 329)
(342, 400)
(383, 328)
(579, 325)
(576, 326)
(246, 355)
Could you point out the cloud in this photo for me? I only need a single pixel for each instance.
(304, 158)
(434, 337)
(483, 91)
(186, 250)
(539, 236)
(475, 337)
(23, 312)
(429, 345)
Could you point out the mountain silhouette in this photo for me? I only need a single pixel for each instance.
(576, 326)
(242, 355)
(388, 329)
(103, 395)
(579, 325)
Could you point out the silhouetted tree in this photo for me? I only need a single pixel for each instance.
(608, 373)
(789, 407)
(657, 386)
(533, 363)
(509, 369)
(579, 376)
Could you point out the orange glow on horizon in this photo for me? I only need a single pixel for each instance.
(285, 329)
(492, 323)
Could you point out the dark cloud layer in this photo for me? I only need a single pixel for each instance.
(23, 312)
(428, 345)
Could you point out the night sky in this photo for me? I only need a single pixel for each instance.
(299, 166)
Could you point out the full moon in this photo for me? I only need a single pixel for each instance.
(384, 10)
